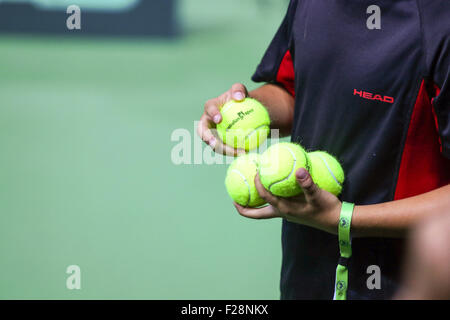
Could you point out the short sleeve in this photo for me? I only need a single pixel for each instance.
(435, 16)
(276, 65)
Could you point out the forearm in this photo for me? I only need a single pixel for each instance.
(280, 105)
(395, 218)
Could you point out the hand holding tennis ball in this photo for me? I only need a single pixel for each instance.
(286, 184)
(280, 162)
(240, 181)
(278, 166)
(245, 124)
(211, 117)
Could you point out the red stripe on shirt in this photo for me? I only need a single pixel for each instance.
(285, 75)
(423, 167)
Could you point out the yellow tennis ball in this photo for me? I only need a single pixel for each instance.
(278, 165)
(326, 171)
(240, 180)
(245, 124)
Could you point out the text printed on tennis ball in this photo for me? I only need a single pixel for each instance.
(240, 116)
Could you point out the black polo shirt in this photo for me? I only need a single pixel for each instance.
(377, 99)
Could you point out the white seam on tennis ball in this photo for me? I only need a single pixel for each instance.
(254, 130)
(246, 182)
(329, 169)
(293, 167)
(228, 107)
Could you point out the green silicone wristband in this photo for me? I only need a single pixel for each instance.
(345, 248)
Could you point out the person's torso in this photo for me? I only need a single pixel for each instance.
(362, 95)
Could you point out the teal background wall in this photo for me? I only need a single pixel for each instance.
(86, 176)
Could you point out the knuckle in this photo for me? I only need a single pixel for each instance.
(202, 122)
(224, 97)
(210, 106)
(309, 186)
(308, 182)
(202, 131)
(237, 87)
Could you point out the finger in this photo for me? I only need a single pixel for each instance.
(209, 137)
(212, 110)
(264, 193)
(238, 91)
(204, 131)
(267, 212)
(225, 149)
(310, 189)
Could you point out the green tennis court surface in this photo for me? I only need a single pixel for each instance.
(86, 176)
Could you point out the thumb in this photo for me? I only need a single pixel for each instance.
(238, 92)
(310, 189)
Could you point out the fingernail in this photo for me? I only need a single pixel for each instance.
(238, 96)
(216, 118)
(302, 174)
(212, 142)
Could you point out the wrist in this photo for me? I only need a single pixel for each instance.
(328, 220)
(333, 224)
